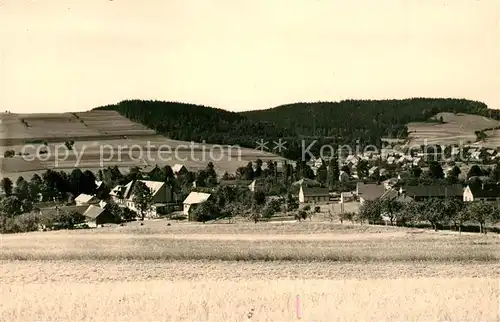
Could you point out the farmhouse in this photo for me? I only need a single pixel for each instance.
(163, 195)
(485, 192)
(194, 199)
(95, 216)
(84, 199)
(369, 191)
(313, 194)
(420, 193)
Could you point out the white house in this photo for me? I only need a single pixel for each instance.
(84, 199)
(194, 199)
(163, 194)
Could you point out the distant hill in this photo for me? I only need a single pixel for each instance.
(343, 122)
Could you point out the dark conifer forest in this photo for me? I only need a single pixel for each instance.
(353, 122)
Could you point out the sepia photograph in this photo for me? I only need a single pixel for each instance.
(249, 160)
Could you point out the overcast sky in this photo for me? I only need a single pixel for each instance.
(67, 55)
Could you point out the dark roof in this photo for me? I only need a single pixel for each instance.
(93, 212)
(485, 190)
(453, 190)
(370, 191)
(315, 191)
(393, 194)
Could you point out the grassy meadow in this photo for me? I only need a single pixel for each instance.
(246, 271)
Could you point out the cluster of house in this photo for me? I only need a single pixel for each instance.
(405, 160)
(163, 194)
(374, 191)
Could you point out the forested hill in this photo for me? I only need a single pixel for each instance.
(342, 122)
(362, 118)
(189, 122)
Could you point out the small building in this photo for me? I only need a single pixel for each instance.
(193, 200)
(313, 194)
(485, 192)
(85, 199)
(369, 191)
(95, 216)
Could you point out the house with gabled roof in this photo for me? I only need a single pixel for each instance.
(95, 216)
(192, 201)
(485, 192)
(313, 194)
(163, 196)
(85, 199)
(369, 191)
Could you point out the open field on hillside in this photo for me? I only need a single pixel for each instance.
(188, 271)
(103, 138)
(458, 128)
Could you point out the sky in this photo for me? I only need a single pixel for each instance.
(61, 56)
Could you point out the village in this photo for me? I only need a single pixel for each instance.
(345, 188)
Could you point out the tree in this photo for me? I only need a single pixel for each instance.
(271, 207)
(75, 181)
(7, 185)
(69, 144)
(495, 174)
(391, 208)
(9, 153)
(362, 169)
(143, 198)
(482, 212)
(333, 172)
(370, 210)
(258, 168)
(416, 171)
(435, 170)
(432, 210)
(249, 174)
(206, 211)
(88, 184)
(22, 190)
(474, 171)
(211, 175)
(11, 206)
(453, 174)
(35, 186)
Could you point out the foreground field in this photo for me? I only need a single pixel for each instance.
(223, 272)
